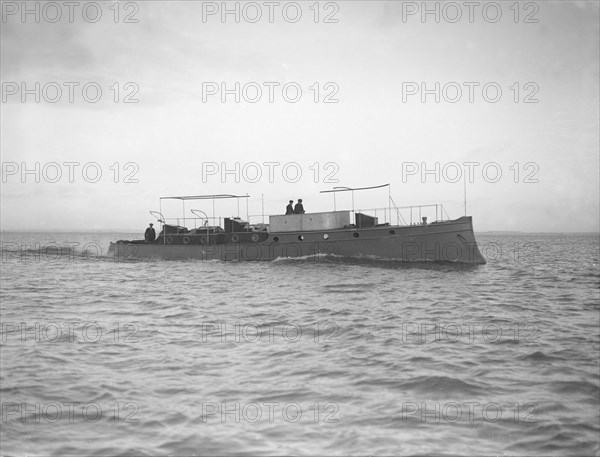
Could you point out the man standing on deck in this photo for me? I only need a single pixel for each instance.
(289, 209)
(299, 208)
(150, 234)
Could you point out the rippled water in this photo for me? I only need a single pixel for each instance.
(309, 356)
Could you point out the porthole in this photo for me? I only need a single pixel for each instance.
(300, 238)
(392, 232)
(326, 237)
(276, 239)
(355, 234)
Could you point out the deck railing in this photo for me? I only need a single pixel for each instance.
(393, 215)
(407, 215)
(193, 222)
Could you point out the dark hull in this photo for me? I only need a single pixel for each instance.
(452, 241)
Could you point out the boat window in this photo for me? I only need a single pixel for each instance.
(300, 238)
(355, 234)
(326, 237)
(276, 239)
(392, 232)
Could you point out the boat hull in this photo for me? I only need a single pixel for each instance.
(450, 241)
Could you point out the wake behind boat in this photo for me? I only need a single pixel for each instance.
(347, 233)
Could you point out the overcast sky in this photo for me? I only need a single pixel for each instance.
(373, 58)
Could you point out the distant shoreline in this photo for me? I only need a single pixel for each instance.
(515, 233)
(109, 231)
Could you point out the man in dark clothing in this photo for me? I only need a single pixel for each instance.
(150, 234)
(289, 209)
(299, 209)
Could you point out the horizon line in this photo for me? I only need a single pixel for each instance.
(123, 230)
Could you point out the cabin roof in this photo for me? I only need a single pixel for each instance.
(205, 197)
(346, 189)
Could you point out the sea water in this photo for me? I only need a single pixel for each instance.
(318, 355)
